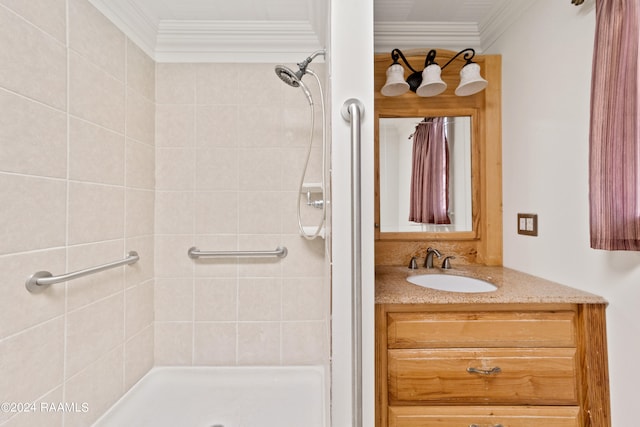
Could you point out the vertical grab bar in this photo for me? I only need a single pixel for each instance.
(352, 111)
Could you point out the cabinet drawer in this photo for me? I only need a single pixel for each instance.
(484, 329)
(485, 416)
(501, 376)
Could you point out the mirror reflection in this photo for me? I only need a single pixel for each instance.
(425, 174)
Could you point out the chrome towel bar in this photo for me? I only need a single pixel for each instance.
(41, 280)
(196, 253)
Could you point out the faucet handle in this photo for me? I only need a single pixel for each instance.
(446, 264)
(413, 264)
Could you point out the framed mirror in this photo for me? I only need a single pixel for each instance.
(478, 240)
(425, 174)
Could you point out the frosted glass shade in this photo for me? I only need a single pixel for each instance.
(432, 83)
(395, 85)
(470, 80)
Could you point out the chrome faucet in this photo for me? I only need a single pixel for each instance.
(428, 261)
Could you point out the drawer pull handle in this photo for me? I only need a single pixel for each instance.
(491, 371)
(478, 425)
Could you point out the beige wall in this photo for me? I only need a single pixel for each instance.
(91, 168)
(76, 190)
(231, 144)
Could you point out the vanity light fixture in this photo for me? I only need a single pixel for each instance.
(428, 82)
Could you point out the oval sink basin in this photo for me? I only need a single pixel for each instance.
(451, 283)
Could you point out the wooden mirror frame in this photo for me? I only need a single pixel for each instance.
(482, 245)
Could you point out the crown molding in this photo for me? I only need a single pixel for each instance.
(234, 41)
(415, 35)
(503, 14)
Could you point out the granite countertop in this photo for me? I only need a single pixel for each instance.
(513, 287)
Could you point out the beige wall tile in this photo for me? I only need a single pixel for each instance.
(95, 213)
(304, 299)
(304, 343)
(33, 137)
(260, 86)
(88, 289)
(48, 15)
(92, 331)
(31, 363)
(141, 271)
(221, 267)
(173, 343)
(259, 343)
(217, 83)
(214, 344)
(261, 267)
(217, 169)
(260, 169)
(175, 83)
(99, 386)
(139, 312)
(138, 356)
(141, 72)
(216, 299)
(140, 210)
(175, 169)
(140, 118)
(175, 126)
(95, 95)
(265, 127)
(20, 309)
(174, 299)
(96, 154)
(27, 224)
(216, 212)
(260, 212)
(259, 299)
(93, 36)
(34, 65)
(174, 212)
(141, 165)
(217, 126)
(171, 256)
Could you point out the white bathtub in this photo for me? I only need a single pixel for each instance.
(223, 397)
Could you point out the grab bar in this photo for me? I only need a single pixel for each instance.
(41, 280)
(195, 253)
(352, 111)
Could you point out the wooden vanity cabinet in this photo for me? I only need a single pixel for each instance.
(491, 365)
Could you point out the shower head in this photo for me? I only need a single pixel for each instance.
(294, 79)
(288, 76)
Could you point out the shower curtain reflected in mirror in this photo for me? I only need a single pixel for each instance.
(429, 202)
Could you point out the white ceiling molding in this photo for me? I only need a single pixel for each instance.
(234, 41)
(416, 35)
(502, 15)
(132, 21)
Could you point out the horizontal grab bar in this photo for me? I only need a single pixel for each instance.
(196, 253)
(41, 280)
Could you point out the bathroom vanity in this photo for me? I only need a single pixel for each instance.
(531, 353)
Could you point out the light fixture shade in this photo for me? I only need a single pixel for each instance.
(470, 80)
(432, 84)
(395, 85)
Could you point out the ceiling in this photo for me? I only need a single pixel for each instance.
(286, 30)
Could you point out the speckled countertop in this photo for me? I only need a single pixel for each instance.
(513, 287)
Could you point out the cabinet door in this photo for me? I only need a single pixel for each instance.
(538, 376)
(490, 416)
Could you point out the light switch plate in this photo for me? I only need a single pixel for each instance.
(528, 224)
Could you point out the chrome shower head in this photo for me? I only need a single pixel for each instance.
(294, 79)
(288, 76)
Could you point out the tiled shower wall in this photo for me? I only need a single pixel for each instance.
(231, 143)
(76, 190)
